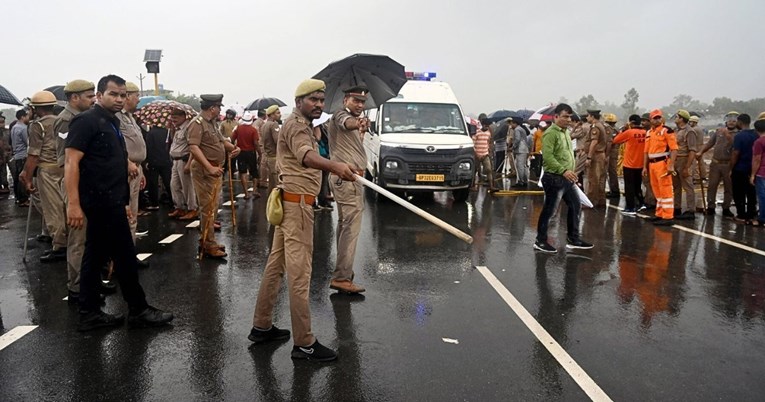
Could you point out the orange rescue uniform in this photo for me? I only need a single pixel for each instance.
(660, 142)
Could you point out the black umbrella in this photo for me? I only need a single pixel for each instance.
(525, 113)
(264, 103)
(382, 75)
(7, 97)
(57, 90)
(502, 115)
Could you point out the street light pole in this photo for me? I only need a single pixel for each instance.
(140, 80)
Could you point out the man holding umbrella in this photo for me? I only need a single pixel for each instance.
(346, 134)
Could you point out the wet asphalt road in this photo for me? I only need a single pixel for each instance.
(650, 313)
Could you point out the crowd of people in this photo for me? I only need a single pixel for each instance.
(660, 164)
(94, 165)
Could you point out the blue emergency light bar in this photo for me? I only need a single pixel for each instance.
(419, 76)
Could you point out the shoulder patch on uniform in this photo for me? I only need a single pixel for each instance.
(198, 119)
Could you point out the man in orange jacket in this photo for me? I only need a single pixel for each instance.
(660, 153)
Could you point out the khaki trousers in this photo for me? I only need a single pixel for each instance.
(719, 170)
(208, 193)
(596, 180)
(291, 253)
(182, 188)
(350, 201)
(273, 174)
(264, 170)
(684, 184)
(75, 248)
(49, 183)
(135, 189)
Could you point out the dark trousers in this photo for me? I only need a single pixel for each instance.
(18, 189)
(556, 188)
(536, 166)
(324, 192)
(4, 175)
(107, 238)
(499, 157)
(633, 189)
(744, 195)
(153, 174)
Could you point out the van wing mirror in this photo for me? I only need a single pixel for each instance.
(373, 127)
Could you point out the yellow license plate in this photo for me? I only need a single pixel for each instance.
(430, 177)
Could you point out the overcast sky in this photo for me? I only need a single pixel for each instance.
(495, 54)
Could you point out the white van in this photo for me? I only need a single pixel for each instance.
(419, 142)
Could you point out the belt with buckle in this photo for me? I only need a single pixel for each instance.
(659, 159)
(291, 197)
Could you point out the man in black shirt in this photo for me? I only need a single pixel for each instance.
(96, 180)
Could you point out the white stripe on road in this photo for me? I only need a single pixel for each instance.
(228, 203)
(240, 195)
(708, 236)
(194, 224)
(170, 239)
(574, 370)
(143, 256)
(15, 334)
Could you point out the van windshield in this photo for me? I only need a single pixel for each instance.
(422, 118)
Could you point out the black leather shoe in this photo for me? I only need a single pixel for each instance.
(149, 317)
(98, 319)
(74, 298)
(44, 238)
(54, 255)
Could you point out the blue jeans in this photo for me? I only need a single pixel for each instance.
(556, 188)
(759, 183)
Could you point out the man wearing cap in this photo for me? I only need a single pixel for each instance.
(80, 96)
(648, 197)
(346, 133)
(634, 139)
(208, 147)
(270, 137)
(246, 137)
(612, 150)
(580, 133)
(595, 186)
(682, 182)
(181, 184)
(136, 149)
(263, 172)
(659, 162)
(292, 249)
(698, 166)
(97, 185)
(719, 169)
(42, 156)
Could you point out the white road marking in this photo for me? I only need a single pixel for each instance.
(141, 234)
(574, 370)
(66, 298)
(194, 224)
(708, 236)
(450, 340)
(170, 239)
(220, 210)
(15, 334)
(228, 203)
(240, 195)
(143, 256)
(250, 189)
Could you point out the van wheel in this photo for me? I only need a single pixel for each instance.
(461, 194)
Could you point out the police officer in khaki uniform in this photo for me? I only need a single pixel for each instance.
(258, 124)
(43, 157)
(596, 160)
(136, 149)
(292, 249)
(270, 136)
(81, 96)
(687, 147)
(346, 134)
(581, 133)
(613, 156)
(208, 147)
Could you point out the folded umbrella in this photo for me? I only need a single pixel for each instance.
(7, 97)
(382, 75)
(264, 103)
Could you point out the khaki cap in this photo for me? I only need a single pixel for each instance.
(272, 109)
(684, 114)
(309, 86)
(79, 86)
(131, 87)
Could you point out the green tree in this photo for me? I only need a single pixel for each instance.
(630, 102)
(587, 102)
(191, 100)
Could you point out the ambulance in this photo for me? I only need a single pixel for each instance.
(419, 142)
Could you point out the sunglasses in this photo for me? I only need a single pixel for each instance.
(656, 118)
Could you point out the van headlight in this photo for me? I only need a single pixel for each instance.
(391, 165)
(465, 166)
